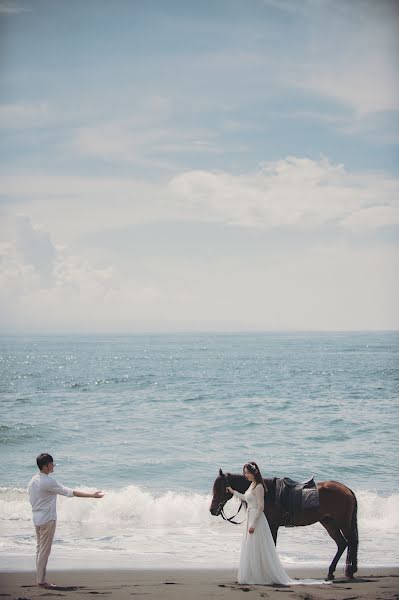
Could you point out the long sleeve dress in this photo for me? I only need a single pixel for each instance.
(259, 561)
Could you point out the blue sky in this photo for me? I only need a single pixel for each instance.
(177, 165)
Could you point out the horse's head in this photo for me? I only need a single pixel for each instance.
(220, 493)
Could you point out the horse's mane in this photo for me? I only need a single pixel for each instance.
(238, 482)
(243, 483)
(270, 484)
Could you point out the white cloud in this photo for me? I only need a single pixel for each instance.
(142, 134)
(352, 55)
(16, 277)
(371, 218)
(35, 248)
(71, 206)
(344, 52)
(24, 115)
(368, 84)
(349, 53)
(42, 284)
(139, 144)
(323, 286)
(12, 9)
(292, 192)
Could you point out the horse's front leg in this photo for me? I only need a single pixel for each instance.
(274, 520)
(274, 532)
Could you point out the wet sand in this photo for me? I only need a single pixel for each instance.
(381, 584)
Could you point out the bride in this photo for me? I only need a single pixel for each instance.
(259, 561)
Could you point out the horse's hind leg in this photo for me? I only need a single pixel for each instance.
(334, 532)
(352, 538)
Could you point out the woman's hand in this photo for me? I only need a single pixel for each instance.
(230, 489)
(251, 530)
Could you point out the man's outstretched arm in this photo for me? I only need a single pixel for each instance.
(80, 494)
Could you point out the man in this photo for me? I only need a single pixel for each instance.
(43, 492)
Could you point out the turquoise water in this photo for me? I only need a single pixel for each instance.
(159, 414)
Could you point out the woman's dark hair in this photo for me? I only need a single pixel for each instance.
(253, 468)
(43, 460)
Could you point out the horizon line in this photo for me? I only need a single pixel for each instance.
(192, 332)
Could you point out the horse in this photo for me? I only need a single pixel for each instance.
(337, 512)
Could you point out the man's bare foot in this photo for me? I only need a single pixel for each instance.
(46, 585)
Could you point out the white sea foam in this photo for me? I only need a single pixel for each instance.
(133, 527)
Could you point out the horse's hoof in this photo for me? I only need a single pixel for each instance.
(349, 575)
(330, 577)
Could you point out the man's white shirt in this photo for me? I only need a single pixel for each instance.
(43, 490)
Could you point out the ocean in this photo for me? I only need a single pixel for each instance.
(150, 419)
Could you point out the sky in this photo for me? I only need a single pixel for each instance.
(223, 165)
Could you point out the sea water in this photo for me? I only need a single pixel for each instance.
(150, 419)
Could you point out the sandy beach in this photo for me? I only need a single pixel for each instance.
(382, 584)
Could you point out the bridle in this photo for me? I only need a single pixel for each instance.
(222, 504)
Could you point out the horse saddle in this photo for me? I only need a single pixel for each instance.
(294, 496)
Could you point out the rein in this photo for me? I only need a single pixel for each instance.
(221, 506)
(230, 519)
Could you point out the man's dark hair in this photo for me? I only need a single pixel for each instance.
(43, 460)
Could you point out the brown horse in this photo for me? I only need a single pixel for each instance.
(337, 513)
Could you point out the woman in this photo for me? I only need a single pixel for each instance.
(259, 561)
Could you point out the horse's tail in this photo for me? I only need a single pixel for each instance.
(353, 544)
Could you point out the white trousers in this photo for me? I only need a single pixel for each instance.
(44, 539)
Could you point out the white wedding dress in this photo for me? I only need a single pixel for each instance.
(259, 561)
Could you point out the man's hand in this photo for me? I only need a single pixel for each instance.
(251, 530)
(98, 495)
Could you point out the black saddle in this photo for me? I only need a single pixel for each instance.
(294, 496)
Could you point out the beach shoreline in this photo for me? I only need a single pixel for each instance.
(179, 584)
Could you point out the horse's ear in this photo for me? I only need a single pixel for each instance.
(220, 472)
